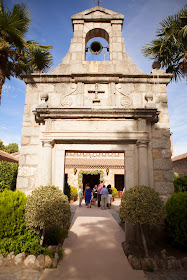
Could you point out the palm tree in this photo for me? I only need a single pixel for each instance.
(17, 55)
(170, 47)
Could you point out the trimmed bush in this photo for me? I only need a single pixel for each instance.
(114, 192)
(142, 205)
(180, 184)
(176, 220)
(47, 207)
(73, 192)
(12, 213)
(55, 235)
(67, 190)
(8, 175)
(14, 236)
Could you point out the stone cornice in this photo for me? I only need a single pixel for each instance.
(97, 77)
(41, 114)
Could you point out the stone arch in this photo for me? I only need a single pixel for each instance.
(97, 32)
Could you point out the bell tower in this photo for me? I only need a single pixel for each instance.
(93, 23)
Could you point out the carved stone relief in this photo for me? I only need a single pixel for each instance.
(67, 100)
(125, 100)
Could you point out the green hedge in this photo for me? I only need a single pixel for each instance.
(14, 236)
(176, 220)
(180, 184)
(8, 175)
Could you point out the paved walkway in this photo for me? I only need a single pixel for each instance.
(93, 250)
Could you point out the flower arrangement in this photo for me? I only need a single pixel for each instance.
(92, 172)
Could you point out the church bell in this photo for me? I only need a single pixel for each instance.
(96, 47)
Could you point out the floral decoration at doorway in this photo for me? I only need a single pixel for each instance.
(91, 172)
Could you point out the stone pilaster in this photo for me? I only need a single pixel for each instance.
(143, 178)
(47, 163)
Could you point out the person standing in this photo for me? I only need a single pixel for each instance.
(94, 194)
(104, 195)
(88, 195)
(80, 194)
(109, 196)
(99, 188)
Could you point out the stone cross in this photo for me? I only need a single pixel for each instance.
(96, 91)
(98, 2)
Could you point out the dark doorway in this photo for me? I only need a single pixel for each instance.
(119, 184)
(91, 179)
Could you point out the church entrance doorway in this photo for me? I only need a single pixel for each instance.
(91, 179)
(119, 184)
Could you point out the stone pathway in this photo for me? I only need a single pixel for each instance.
(20, 273)
(93, 250)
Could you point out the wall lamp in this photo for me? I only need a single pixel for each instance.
(107, 171)
(75, 171)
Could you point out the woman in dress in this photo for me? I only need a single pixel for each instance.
(109, 196)
(88, 195)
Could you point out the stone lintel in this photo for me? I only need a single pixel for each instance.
(92, 137)
(41, 114)
(96, 77)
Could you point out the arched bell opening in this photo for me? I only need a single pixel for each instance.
(97, 45)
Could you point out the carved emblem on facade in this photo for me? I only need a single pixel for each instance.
(126, 101)
(66, 100)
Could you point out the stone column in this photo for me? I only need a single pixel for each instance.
(60, 167)
(47, 163)
(142, 162)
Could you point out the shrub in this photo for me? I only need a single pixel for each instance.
(12, 213)
(47, 207)
(114, 192)
(176, 209)
(67, 190)
(142, 205)
(180, 184)
(14, 236)
(8, 175)
(55, 235)
(27, 242)
(73, 192)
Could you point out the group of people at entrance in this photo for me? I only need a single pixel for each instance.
(99, 194)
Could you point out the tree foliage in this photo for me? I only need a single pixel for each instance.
(10, 148)
(17, 55)
(142, 205)
(170, 46)
(176, 208)
(180, 184)
(8, 175)
(47, 207)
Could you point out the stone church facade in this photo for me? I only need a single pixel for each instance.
(96, 107)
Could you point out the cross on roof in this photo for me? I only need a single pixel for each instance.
(98, 2)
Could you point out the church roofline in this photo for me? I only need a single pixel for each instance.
(160, 78)
(88, 15)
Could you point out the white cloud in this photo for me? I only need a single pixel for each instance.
(3, 127)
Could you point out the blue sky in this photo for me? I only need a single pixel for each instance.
(51, 25)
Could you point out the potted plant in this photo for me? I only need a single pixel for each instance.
(73, 193)
(114, 193)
